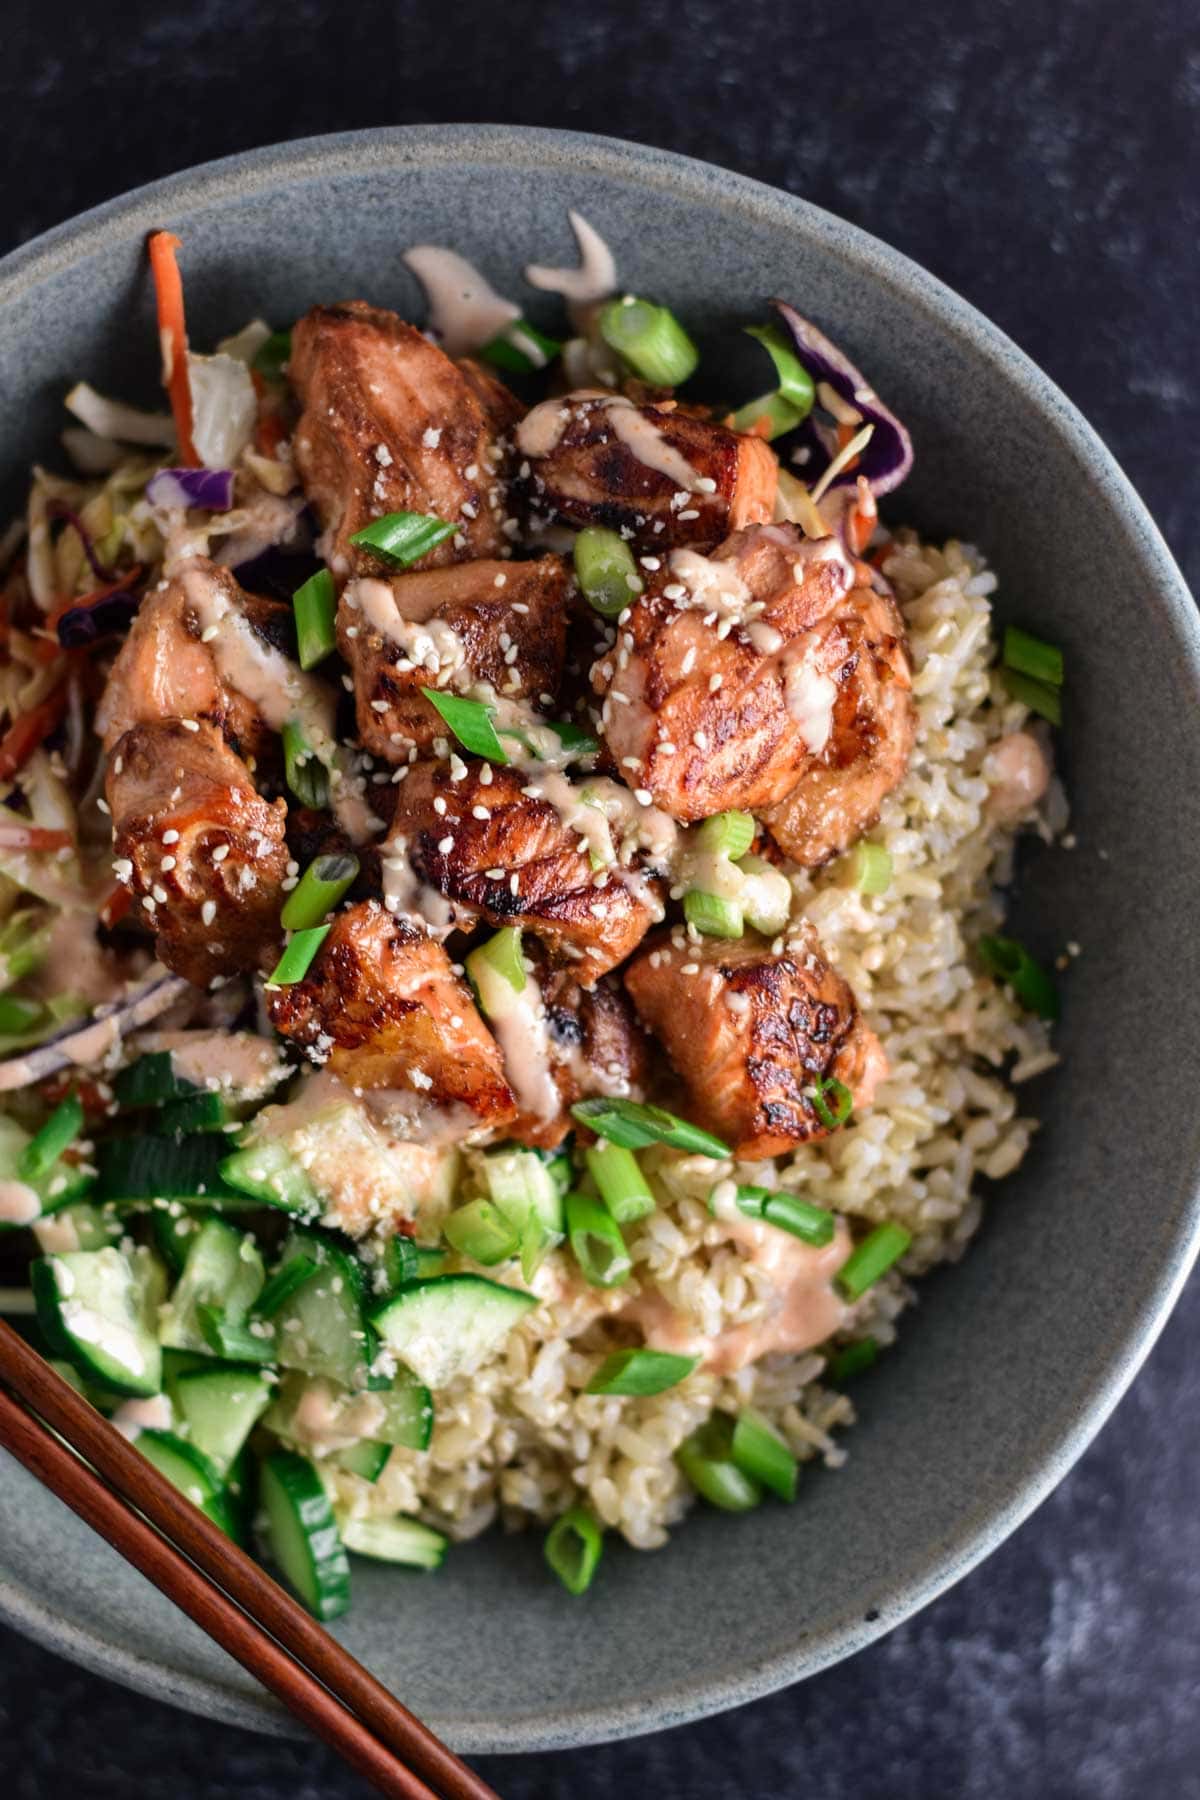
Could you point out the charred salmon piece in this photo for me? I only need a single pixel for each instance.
(381, 1007)
(499, 623)
(202, 852)
(194, 638)
(870, 740)
(501, 407)
(586, 1041)
(718, 690)
(750, 1033)
(390, 424)
(657, 474)
(499, 852)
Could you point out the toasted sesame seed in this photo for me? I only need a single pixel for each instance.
(208, 911)
(220, 853)
(445, 845)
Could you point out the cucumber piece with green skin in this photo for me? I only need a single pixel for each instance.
(450, 1325)
(223, 1269)
(93, 1311)
(192, 1472)
(173, 1228)
(41, 1194)
(367, 1458)
(269, 1173)
(151, 1081)
(220, 1407)
(141, 1169)
(400, 1415)
(321, 1328)
(198, 1112)
(518, 1183)
(285, 1282)
(394, 1540)
(79, 1226)
(302, 1534)
(235, 1340)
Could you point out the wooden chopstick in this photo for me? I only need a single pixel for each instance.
(218, 1585)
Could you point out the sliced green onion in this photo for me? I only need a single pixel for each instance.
(640, 1372)
(749, 1200)
(296, 960)
(851, 1360)
(315, 607)
(636, 1125)
(843, 1102)
(471, 723)
(536, 1240)
(799, 1217)
(401, 538)
(651, 340)
(306, 775)
(326, 881)
(792, 400)
(271, 357)
(766, 896)
(43, 1151)
(706, 1459)
(573, 737)
(872, 1258)
(623, 1188)
(19, 1016)
(711, 915)
(606, 571)
(1038, 696)
(573, 1546)
(770, 416)
(758, 1451)
(283, 1284)
(520, 348)
(480, 1230)
(24, 940)
(597, 1242)
(727, 834)
(871, 869)
(499, 959)
(1033, 656)
(1012, 964)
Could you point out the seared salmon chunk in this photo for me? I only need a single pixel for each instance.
(751, 1033)
(656, 473)
(576, 1042)
(390, 424)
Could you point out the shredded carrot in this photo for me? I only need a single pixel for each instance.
(18, 745)
(116, 906)
(269, 433)
(862, 518)
(168, 293)
(19, 836)
(844, 433)
(93, 1098)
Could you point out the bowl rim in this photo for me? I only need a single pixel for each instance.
(536, 148)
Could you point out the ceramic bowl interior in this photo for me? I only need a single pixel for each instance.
(1016, 1356)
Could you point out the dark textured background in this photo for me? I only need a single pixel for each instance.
(1042, 160)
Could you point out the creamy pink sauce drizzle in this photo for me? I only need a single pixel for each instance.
(594, 279)
(541, 430)
(465, 311)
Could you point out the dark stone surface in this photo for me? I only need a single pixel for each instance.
(1043, 161)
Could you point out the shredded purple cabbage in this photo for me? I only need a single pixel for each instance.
(211, 489)
(889, 456)
(86, 624)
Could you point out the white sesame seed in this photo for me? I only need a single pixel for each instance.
(445, 845)
(190, 724)
(208, 911)
(170, 837)
(220, 853)
(643, 796)
(209, 633)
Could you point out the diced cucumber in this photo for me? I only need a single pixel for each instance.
(236, 1340)
(80, 1226)
(134, 1169)
(285, 1282)
(366, 1458)
(92, 1308)
(394, 1540)
(519, 1182)
(302, 1534)
(40, 1191)
(174, 1228)
(269, 1173)
(220, 1407)
(223, 1269)
(407, 1412)
(150, 1081)
(195, 1475)
(198, 1112)
(321, 1328)
(450, 1325)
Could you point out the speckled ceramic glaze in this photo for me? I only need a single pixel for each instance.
(1014, 1358)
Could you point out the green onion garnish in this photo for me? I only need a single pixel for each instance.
(712, 915)
(401, 538)
(315, 607)
(573, 1546)
(872, 1258)
(791, 401)
(1032, 656)
(799, 1217)
(43, 1151)
(851, 1360)
(636, 1125)
(471, 723)
(1012, 964)
(623, 1188)
(706, 1458)
(271, 357)
(296, 960)
(597, 1242)
(480, 1230)
(1036, 695)
(286, 1281)
(651, 340)
(727, 834)
(640, 1372)
(843, 1102)
(19, 1016)
(770, 416)
(573, 737)
(606, 571)
(520, 349)
(323, 884)
(306, 775)
(758, 1451)
(871, 869)
(499, 959)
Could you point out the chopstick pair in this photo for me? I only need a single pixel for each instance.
(125, 1499)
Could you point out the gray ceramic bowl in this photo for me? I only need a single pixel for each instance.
(1018, 1355)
